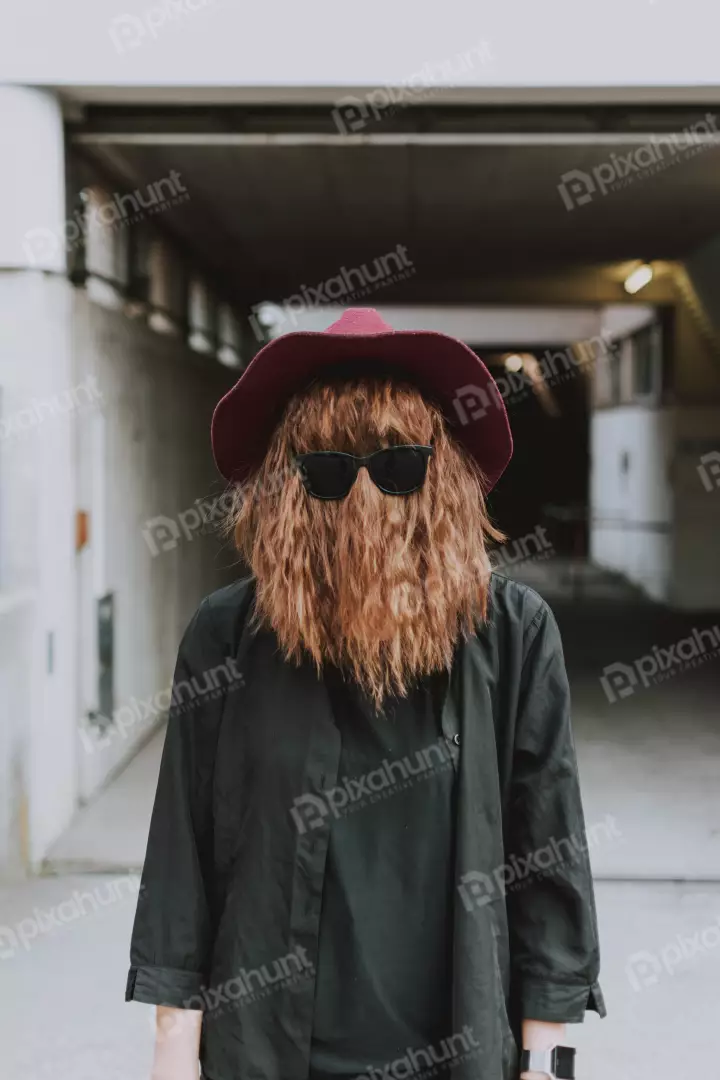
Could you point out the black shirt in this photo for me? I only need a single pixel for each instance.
(229, 910)
(384, 965)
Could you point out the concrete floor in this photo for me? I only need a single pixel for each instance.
(110, 833)
(63, 1015)
(650, 765)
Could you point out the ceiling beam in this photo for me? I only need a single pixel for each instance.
(439, 139)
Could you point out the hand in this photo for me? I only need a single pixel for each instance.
(540, 1035)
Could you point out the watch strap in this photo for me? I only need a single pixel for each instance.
(558, 1063)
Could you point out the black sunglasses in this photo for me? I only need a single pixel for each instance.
(397, 470)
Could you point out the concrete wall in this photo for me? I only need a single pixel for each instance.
(143, 454)
(702, 267)
(659, 521)
(207, 43)
(99, 414)
(695, 579)
(16, 646)
(631, 496)
(696, 370)
(37, 585)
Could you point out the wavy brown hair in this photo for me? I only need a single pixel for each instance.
(382, 586)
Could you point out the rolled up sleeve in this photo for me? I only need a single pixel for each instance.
(172, 934)
(552, 918)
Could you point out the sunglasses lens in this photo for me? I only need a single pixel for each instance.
(327, 475)
(398, 470)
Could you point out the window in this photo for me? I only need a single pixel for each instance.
(630, 371)
(647, 362)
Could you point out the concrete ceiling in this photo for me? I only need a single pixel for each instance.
(270, 217)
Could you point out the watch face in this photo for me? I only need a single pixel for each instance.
(565, 1062)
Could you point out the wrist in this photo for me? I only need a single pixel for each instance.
(541, 1034)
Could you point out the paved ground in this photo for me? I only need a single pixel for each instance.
(650, 764)
(63, 1015)
(111, 832)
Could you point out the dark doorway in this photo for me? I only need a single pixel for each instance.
(546, 483)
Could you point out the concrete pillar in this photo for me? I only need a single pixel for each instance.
(201, 311)
(696, 452)
(230, 347)
(37, 500)
(32, 180)
(166, 288)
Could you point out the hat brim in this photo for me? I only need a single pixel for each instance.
(444, 369)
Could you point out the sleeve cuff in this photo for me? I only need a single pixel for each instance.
(560, 1003)
(166, 986)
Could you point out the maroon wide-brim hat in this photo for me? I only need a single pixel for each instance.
(445, 370)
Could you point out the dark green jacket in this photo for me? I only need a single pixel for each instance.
(229, 909)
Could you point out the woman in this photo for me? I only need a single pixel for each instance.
(367, 854)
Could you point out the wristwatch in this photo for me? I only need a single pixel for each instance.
(556, 1064)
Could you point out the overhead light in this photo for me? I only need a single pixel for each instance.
(513, 362)
(639, 278)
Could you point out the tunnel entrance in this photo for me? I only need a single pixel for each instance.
(545, 491)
